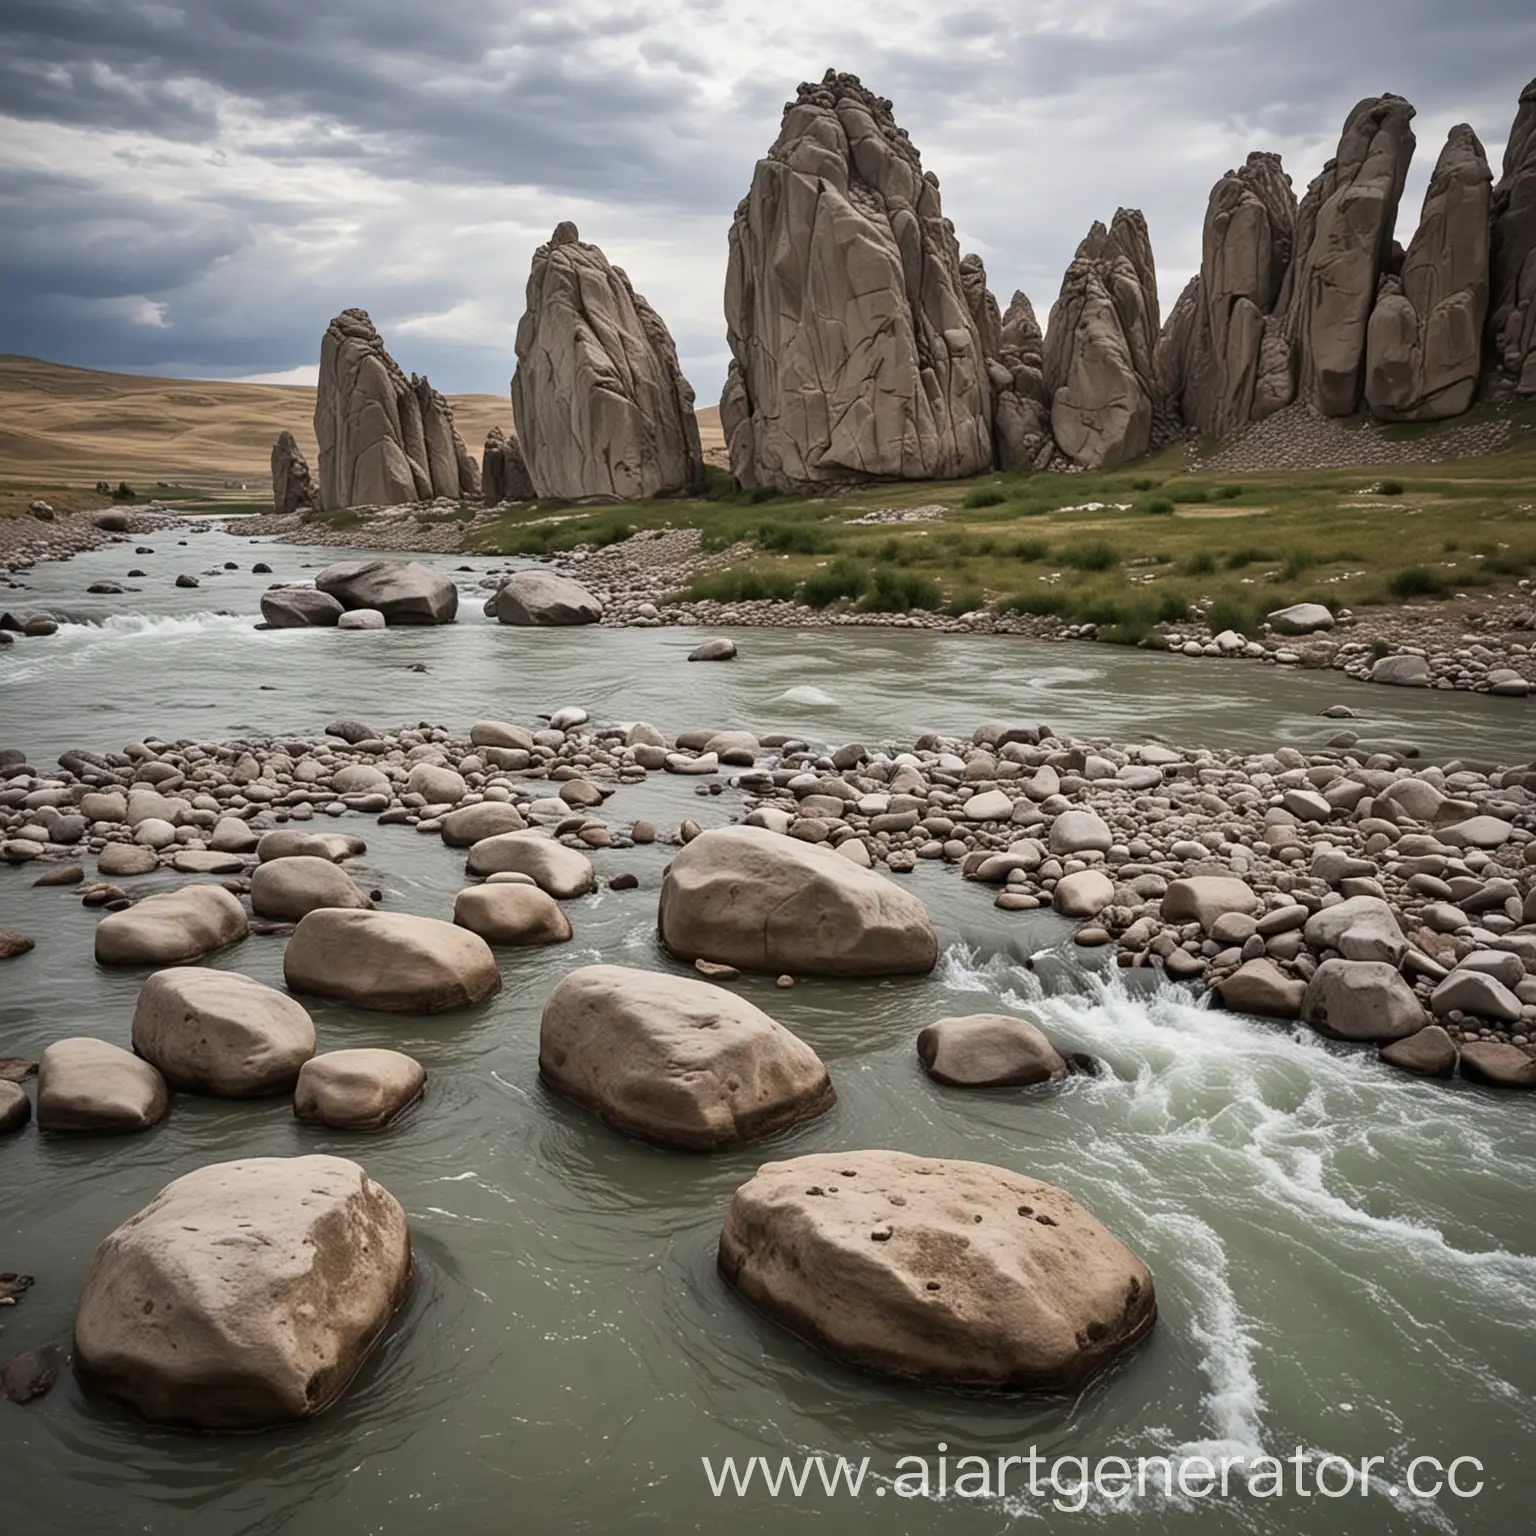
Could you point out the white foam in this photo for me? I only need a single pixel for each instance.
(132, 625)
(811, 698)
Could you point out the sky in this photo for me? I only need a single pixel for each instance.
(194, 187)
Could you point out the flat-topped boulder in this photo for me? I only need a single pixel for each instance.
(172, 928)
(300, 608)
(562, 872)
(390, 962)
(760, 901)
(1359, 928)
(15, 1107)
(221, 1033)
(1260, 986)
(989, 1050)
(542, 599)
(676, 1061)
(1300, 619)
(472, 824)
(954, 1274)
(286, 889)
(245, 1294)
(97, 1088)
(358, 1090)
(404, 591)
(512, 914)
(290, 843)
(1205, 898)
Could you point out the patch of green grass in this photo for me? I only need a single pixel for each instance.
(984, 496)
(968, 600)
(795, 538)
(1243, 556)
(1045, 603)
(1390, 488)
(1201, 563)
(897, 591)
(1090, 555)
(844, 578)
(1159, 506)
(1229, 492)
(741, 586)
(1229, 613)
(1030, 551)
(1419, 581)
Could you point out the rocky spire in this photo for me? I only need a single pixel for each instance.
(1100, 345)
(1424, 346)
(601, 406)
(504, 476)
(292, 489)
(384, 439)
(1512, 307)
(855, 353)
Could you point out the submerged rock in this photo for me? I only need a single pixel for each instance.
(989, 1050)
(951, 1273)
(358, 1090)
(245, 1294)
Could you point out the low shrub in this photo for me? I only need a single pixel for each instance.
(743, 585)
(1092, 555)
(1420, 581)
(794, 538)
(1228, 613)
(1201, 563)
(1229, 492)
(984, 496)
(1159, 506)
(896, 591)
(967, 601)
(1030, 551)
(1390, 488)
(1244, 555)
(843, 578)
(1045, 603)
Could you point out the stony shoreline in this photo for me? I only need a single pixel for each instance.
(29, 541)
(1377, 902)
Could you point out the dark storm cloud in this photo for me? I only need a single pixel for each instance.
(199, 184)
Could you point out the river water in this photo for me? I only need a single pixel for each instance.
(1345, 1257)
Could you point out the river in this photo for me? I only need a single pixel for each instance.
(1345, 1257)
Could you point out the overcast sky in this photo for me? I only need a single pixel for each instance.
(195, 187)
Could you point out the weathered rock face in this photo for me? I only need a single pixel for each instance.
(404, 591)
(954, 1273)
(292, 488)
(389, 961)
(1424, 345)
(221, 1033)
(503, 474)
(855, 353)
(1512, 307)
(1100, 346)
(1344, 230)
(384, 439)
(601, 406)
(754, 899)
(676, 1061)
(1012, 348)
(1220, 358)
(245, 1294)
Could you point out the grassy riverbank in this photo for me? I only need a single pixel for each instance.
(1124, 549)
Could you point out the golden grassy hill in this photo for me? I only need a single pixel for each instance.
(75, 426)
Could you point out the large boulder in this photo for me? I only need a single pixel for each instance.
(293, 843)
(543, 598)
(172, 928)
(300, 608)
(1424, 345)
(1344, 230)
(245, 1294)
(404, 591)
(389, 961)
(1205, 898)
(1498, 1065)
(384, 439)
(503, 474)
(474, 823)
(1360, 928)
(676, 1061)
(562, 872)
(855, 355)
(1100, 346)
(1220, 358)
(1260, 986)
(1512, 298)
(95, 1087)
(221, 1033)
(511, 914)
(751, 898)
(989, 1050)
(955, 1274)
(601, 406)
(358, 1090)
(292, 488)
(287, 889)
(1361, 1000)
(1300, 619)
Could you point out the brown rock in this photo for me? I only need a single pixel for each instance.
(511, 914)
(91, 1086)
(951, 1273)
(358, 1090)
(292, 488)
(1429, 1053)
(172, 928)
(286, 889)
(675, 1061)
(503, 474)
(13, 944)
(1512, 303)
(989, 1050)
(1496, 1065)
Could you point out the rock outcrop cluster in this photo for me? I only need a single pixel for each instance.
(503, 474)
(384, 438)
(292, 488)
(1512, 312)
(601, 405)
(855, 354)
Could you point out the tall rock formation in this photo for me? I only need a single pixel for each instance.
(384, 439)
(1344, 245)
(504, 476)
(292, 488)
(1424, 345)
(1512, 307)
(1221, 359)
(1012, 346)
(1100, 345)
(855, 354)
(601, 406)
